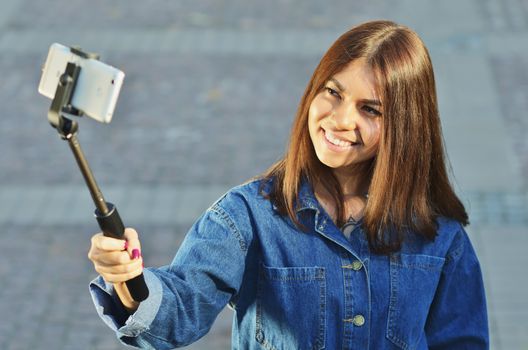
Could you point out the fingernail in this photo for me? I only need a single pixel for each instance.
(126, 245)
(135, 254)
(142, 265)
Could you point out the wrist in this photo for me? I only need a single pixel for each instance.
(128, 302)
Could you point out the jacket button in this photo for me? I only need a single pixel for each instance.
(358, 320)
(357, 265)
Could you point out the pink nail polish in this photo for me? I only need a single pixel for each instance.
(135, 254)
(126, 245)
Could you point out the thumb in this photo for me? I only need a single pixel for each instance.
(133, 246)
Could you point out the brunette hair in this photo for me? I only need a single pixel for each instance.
(409, 186)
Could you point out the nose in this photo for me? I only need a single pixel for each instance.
(345, 117)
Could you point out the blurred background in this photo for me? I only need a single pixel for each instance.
(210, 91)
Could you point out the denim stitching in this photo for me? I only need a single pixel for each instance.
(259, 334)
(348, 335)
(392, 304)
(156, 336)
(232, 226)
(320, 341)
(432, 266)
(319, 276)
(457, 252)
(421, 266)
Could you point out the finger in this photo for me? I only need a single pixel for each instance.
(134, 245)
(130, 234)
(113, 258)
(101, 242)
(119, 269)
(121, 277)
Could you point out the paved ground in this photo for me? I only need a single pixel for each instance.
(209, 84)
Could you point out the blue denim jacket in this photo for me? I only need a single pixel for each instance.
(305, 290)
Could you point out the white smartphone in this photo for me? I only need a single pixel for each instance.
(97, 87)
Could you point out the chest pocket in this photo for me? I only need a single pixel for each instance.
(291, 308)
(413, 282)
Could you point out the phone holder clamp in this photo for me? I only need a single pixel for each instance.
(61, 103)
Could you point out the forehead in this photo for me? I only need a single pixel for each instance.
(358, 78)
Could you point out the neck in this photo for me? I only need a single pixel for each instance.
(353, 182)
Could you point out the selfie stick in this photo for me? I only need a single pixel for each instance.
(105, 212)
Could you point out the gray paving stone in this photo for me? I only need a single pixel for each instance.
(238, 14)
(502, 258)
(203, 42)
(9, 10)
(166, 205)
(506, 15)
(60, 314)
(472, 122)
(204, 78)
(170, 125)
(512, 81)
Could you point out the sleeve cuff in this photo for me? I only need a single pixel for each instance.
(113, 313)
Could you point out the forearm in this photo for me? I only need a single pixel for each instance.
(131, 328)
(185, 297)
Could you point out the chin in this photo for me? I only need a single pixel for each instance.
(338, 164)
(334, 164)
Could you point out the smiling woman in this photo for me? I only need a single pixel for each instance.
(354, 240)
(344, 127)
(373, 127)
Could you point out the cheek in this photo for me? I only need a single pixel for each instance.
(373, 131)
(319, 108)
(373, 136)
(314, 116)
(311, 120)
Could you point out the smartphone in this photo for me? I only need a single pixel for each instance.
(97, 87)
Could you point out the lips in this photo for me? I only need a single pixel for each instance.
(339, 142)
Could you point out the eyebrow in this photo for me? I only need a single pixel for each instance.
(338, 84)
(372, 102)
(342, 89)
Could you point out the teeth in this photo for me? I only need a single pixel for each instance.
(337, 141)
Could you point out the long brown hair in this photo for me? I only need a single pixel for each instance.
(409, 186)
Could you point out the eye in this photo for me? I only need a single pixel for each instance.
(332, 92)
(371, 111)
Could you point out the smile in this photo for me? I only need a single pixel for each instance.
(335, 141)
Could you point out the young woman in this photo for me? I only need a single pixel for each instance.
(354, 240)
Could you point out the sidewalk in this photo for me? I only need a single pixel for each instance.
(202, 79)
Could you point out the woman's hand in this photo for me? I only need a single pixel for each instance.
(117, 261)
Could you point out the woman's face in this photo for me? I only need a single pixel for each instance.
(345, 117)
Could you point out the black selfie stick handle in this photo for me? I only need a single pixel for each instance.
(106, 213)
(112, 226)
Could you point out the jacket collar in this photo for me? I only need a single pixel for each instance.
(322, 222)
(307, 198)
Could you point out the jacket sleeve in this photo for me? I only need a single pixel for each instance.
(458, 317)
(186, 296)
